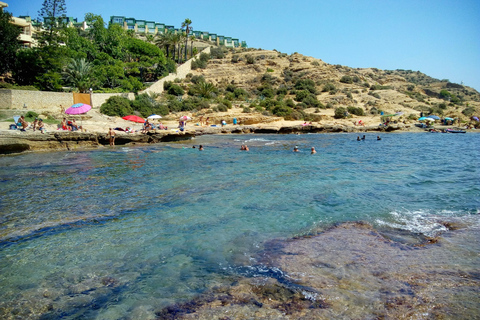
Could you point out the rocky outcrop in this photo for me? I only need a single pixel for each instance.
(18, 142)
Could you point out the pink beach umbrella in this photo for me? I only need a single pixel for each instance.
(78, 108)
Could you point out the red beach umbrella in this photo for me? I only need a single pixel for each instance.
(134, 118)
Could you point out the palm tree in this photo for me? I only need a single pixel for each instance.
(192, 38)
(77, 72)
(186, 24)
(176, 39)
(164, 40)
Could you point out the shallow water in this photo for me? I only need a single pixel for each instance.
(124, 232)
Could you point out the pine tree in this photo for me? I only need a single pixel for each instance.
(52, 15)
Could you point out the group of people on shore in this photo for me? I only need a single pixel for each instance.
(37, 124)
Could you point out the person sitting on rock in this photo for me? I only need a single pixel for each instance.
(64, 124)
(34, 124)
(23, 123)
(41, 126)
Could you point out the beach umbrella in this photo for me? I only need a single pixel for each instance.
(78, 108)
(398, 113)
(154, 116)
(475, 118)
(448, 118)
(433, 117)
(134, 118)
(184, 118)
(424, 118)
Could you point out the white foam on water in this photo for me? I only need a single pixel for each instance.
(419, 221)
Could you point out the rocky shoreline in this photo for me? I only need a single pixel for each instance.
(12, 142)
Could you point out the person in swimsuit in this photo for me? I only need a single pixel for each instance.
(40, 126)
(295, 149)
(111, 133)
(313, 151)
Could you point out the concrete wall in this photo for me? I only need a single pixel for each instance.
(181, 73)
(48, 101)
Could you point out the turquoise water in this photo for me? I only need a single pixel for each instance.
(103, 234)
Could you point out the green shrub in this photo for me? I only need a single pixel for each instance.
(379, 87)
(246, 110)
(340, 113)
(31, 115)
(282, 111)
(469, 111)
(328, 87)
(346, 79)
(250, 59)
(176, 90)
(197, 79)
(301, 94)
(270, 70)
(306, 84)
(356, 111)
(216, 53)
(116, 106)
(240, 93)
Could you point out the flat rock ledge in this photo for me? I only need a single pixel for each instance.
(17, 141)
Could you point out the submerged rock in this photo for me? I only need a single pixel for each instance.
(350, 271)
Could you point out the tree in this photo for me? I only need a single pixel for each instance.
(192, 39)
(77, 72)
(52, 14)
(8, 42)
(164, 40)
(186, 24)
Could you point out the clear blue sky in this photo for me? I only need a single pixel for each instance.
(438, 37)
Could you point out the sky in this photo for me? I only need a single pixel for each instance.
(440, 38)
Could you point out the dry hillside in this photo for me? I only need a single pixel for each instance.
(370, 89)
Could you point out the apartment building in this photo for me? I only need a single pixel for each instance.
(26, 37)
(145, 27)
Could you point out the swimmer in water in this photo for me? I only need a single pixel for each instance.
(313, 151)
(295, 149)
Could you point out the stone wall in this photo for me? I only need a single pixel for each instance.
(181, 73)
(34, 100)
(39, 101)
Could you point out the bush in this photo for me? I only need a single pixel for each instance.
(340, 113)
(31, 115)
(173, 89)
(306, 84)
(250, 59)
(356, 111)
(346, 79)
(116, 106)
(246, 110)
(469, 111)
(329, 87)
(216, 53)
(301, 94)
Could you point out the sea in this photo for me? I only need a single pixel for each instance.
(102, 234)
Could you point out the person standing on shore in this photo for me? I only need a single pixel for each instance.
(111, 134)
